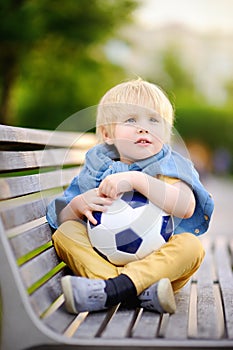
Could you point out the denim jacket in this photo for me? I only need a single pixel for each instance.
(102, 160)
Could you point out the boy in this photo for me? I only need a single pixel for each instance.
(134, 123)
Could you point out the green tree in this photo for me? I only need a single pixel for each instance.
(229, 91)
(45, 45)
(195, 118)
(175, 76)
(178, 76)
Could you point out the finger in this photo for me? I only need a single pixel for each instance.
(97, 207)
(108, 190)
(113, 193)
(90, 217)
(106, 201)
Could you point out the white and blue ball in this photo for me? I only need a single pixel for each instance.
(132, 228)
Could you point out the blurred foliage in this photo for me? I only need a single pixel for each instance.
(53, 63)
(211, 124)
(196, 119)
(51, 57)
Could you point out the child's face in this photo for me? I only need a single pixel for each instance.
(138, 135)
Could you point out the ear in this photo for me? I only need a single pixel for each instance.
(106, 136)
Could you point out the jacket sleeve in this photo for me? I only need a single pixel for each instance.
(55, 207)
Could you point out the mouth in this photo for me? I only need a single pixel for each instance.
(142, 141)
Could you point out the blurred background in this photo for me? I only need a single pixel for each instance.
(59, 57)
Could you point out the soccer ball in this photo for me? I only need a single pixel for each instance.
(132, 228)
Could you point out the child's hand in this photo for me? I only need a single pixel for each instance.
(113, 185)
(88, 202)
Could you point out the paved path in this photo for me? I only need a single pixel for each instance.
(222, 220)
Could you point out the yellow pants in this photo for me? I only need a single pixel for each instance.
(177, 260)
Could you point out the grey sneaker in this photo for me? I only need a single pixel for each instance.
(83, 294)
(159, 297)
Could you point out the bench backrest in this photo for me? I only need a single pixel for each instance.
(35, 167)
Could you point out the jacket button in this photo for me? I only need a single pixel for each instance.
(197, 230)
(206, 217)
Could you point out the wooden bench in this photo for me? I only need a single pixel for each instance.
(35, 167)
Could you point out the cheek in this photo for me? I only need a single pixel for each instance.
(159, 133)
(122, 133)
(122, 144)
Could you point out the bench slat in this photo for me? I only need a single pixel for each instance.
(23, 211)
(225, 275)
(42, 299)
(60, 320)
(10, 161)
(69, 332)
(178, 322)
(93, 323)
(31, 240)
(120, 325)
(35, 269)
(21, 185)
(147, 325)
(9, 134)
(206, 300)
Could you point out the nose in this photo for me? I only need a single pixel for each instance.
(141, 130)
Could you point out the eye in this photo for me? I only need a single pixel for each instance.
(130, 120)
(153, 120)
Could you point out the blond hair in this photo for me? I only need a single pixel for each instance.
(124, 96)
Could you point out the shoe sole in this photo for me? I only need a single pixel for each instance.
(68, 294)
(166, 296)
